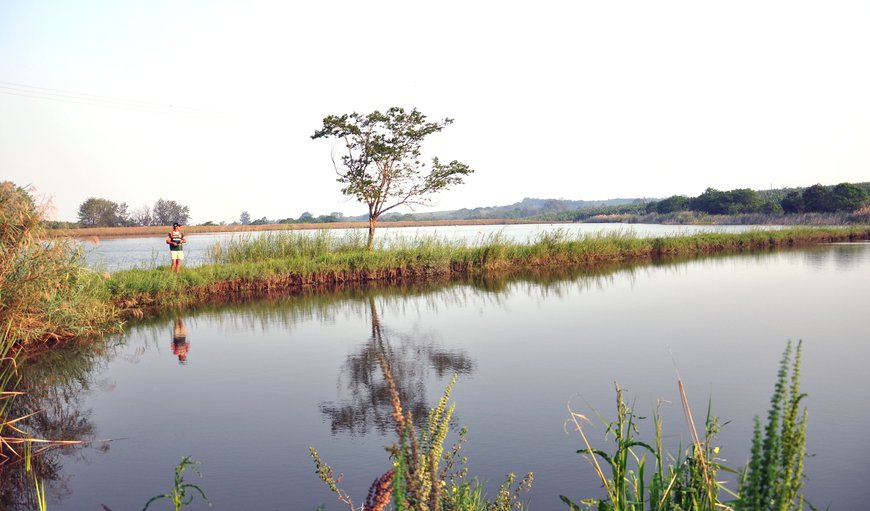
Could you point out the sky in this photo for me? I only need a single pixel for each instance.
(212, 103)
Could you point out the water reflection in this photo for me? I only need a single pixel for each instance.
(410, 356)
(843, 256)
(299, 344)
(54, 384)
(180, 344)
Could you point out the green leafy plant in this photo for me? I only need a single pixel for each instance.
(773, 479)
(178, 495)
(686, 482)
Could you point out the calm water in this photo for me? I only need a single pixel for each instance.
(262, 382)
(123, 253)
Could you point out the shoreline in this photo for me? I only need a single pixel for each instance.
(136, 292)
(289, 263)
(159, 230)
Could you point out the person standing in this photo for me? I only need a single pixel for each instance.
(175, 239)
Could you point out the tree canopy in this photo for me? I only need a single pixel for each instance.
(97, 212)
(381, 162)
(167, 212)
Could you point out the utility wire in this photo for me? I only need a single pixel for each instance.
(17, 89)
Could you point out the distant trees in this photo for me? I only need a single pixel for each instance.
(381, 166)
(672, 204)
(818, 198)
(142, 216)
(245, 218)
(793, 202)
(844, 197)
(99, 212)
(848, 197)
(715, 202)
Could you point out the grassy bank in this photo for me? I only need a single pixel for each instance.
(47, 293)
(282, 261)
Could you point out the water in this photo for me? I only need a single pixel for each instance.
(264, 381)
(114, 254)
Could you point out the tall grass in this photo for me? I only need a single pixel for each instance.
(287, 260)
(45, 290)
(280, 245)
(772, 480)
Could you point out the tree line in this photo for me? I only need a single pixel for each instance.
(99, 212)
(844, 197)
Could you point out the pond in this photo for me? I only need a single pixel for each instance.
(112, 254)
(251, 386)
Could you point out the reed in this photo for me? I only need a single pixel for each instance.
(45, 290)
(287, 260)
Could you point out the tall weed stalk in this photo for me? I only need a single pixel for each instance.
(772, 481)
(774, 475)
(424, 477)
(686, 482)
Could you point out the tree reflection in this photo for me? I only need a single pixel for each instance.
(53, 383)
(411, 357)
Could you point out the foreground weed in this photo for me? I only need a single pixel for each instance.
(424, 477)
(772, 481)
(178, 496)
(774, 477)
(688, 482)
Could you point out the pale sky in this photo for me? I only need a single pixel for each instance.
(212, 103)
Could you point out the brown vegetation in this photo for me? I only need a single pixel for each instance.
(161, 230)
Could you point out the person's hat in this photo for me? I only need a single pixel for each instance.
(176, 224)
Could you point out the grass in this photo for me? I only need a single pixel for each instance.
(46, 292)
(771, 481)
(280, 261)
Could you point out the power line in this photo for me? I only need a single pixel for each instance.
(17, 89)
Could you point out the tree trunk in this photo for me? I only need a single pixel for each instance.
(372, 222)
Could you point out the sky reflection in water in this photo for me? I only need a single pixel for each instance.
(262, 382)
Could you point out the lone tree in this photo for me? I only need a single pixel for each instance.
(166, 212)
(382, 167)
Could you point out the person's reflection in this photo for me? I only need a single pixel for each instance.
(180, 344)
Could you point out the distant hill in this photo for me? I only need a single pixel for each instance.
(551, 210)
(526, 208)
